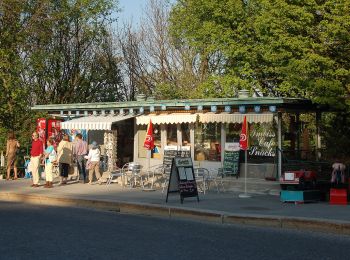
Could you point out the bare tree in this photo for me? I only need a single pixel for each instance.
(153, 63)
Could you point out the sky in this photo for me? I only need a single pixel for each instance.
(131, 10)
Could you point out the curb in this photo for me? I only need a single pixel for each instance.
(309, 224)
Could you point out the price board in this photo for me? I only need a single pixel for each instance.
(170, 152)
(182, 179)
(231, 159)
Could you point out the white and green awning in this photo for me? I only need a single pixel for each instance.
(203, 118)
(166, 119)
(235, 118)
(100, 122)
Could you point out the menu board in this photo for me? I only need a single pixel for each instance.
(184, 151)
(231, 159)
(170, 152)
(182, 178)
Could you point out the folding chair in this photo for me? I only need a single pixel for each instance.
(202, 175)
(114, 174)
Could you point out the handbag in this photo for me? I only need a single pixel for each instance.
(88, 165)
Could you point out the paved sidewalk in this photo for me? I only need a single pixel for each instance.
(224, 205)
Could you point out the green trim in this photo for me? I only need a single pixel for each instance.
(173, 104)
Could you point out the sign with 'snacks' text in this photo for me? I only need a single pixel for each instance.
(263, 141)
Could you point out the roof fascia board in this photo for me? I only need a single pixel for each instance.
(173, 103)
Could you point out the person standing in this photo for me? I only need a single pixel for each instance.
(35, 154)
(50, 158)
(64, 151)
(80, 149)
(11, 150)
(94, 158)
(338, 174)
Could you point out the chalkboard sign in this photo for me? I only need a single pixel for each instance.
(171, 152)
(231, 159)
(182, 179)
(185, 151)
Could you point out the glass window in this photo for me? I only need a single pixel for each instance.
(141, 131)
(207, 142)
(156, 152)
(233, 131)
(185, 131)
(171, 134)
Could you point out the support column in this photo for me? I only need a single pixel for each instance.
(163, 138)
(298, 134)
(136, 143)
(192, 140)
(279, 143)
(223, 141)
(318, 136)
(179, 135)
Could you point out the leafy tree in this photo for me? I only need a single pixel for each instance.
(13, 102)
(282, 47)
(66, 51)
(53, 52)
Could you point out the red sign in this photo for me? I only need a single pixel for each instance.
(54, 130)
(243, 141)
(149, 140)
(41, 129)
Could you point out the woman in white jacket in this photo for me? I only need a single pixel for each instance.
(94, 162)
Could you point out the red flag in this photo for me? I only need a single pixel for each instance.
(243, 141)
(149, 140)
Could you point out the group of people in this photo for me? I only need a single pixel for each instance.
(64, 155)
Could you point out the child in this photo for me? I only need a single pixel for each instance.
(50, 158)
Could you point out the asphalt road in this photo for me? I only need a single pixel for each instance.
(39, 232)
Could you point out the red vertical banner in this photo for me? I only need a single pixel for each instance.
(149, 140)
(54, 130)
(41, 129)
(243, 141)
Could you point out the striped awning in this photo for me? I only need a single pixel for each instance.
(99, 122)
(166, 119)
(204, 118)
(235, 118)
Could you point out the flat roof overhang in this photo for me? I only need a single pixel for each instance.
(281, 104)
